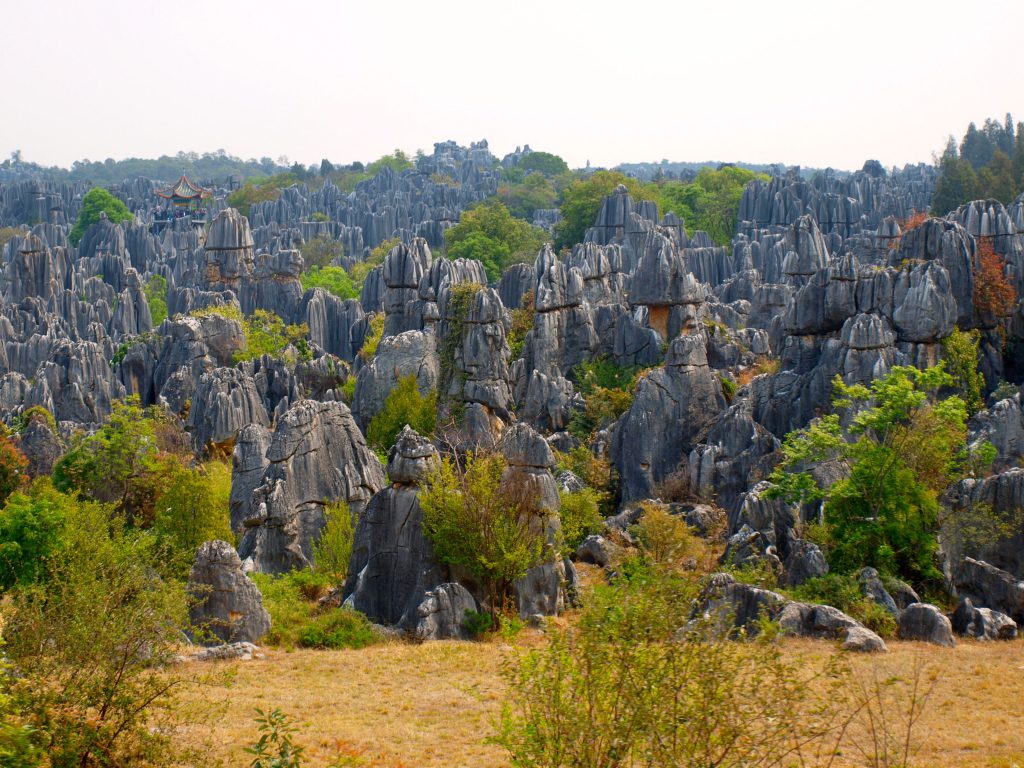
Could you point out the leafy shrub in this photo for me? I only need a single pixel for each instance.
(843, 592)
(1003, 391)
(607, 391)
(275, 747)
(373, 336)
(478, 623)
(489, 233)
(31, 528)
(266, 334)
(581, 202)
(338, 628)
(96, 637)
(334, 280)
(122, 464)
(194, 509)
(960, 352)
(260, 190)
(332, 550)
(96, 201)
(522, 324)
(403, 405)
(580, 515)
(710, 202)
(626, 687)
(728, 387)
(902, 449)
(665, 539)
(476, 523)
(156, 298)
(320, 252)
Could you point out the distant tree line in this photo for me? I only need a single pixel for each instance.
(987, 164)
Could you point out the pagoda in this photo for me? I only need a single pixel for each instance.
(184, 193)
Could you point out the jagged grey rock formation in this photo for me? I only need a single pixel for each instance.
(392, 566)
(228, 607)
(317, 456)
(671, 411)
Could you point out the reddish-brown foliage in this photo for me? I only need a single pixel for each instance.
(13, 468)
(915, 220)
(993, 293)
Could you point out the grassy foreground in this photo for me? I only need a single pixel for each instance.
(399, 705)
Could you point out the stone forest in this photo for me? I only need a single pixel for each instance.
(452, 459)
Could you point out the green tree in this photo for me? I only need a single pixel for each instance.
(321, 251)
(580, 514)
(194, 509)
(476, 523)
(96, 201)
(156, 297)
(524, 196)
(581, 202)
(397, 161)
(996, 179)
(95, 640)
(31, 526)
(489, 233)
(710, 202)
(334, 280)
(904, 445)
(957, 183)
(260, 190)
(543, 162)
(266, 334)
(120, 464)
(960, 353)
(403, 405)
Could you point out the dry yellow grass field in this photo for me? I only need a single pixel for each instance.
(417, 706)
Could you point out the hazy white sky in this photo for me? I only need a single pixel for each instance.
(813, 83)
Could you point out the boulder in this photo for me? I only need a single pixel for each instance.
(982, 623)
(228, 607)
(442, 613)
(924, 622)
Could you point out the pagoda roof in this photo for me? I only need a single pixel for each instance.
(184, 189)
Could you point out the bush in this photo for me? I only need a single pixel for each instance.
(320, 252)
(960, 352)
(266, 334)
(710, 202)
(333, 549)
(728, 387)
(96, 201)
(666, 541)
(607, 391)
(489, 233)
(194, 509)
(476, 523)
(338, 628)
(374, 335)
(95, 640)
(580, 515)
(275, 748)
(478, 623)
(581, 202)
(902, 448)
(156, 298)
(842, 591)
(334, 280)
(522, 324)
(122, 464)
(627, 686)
(403, 405)
(994, 295)
(31, 529)
(289, 609)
